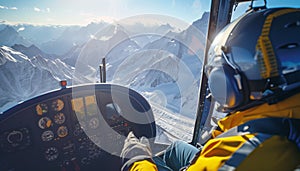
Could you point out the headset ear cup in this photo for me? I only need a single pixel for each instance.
(224, 86)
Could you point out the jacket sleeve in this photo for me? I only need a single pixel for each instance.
(143, 165)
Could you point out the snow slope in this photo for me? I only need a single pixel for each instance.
(23, 78)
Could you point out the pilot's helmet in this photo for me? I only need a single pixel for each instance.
(256, 58)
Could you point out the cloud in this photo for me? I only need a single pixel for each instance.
(3, 7)
(9, 8)
(90, 17)
(37, 9)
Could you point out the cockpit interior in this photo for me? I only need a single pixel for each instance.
(73, 128)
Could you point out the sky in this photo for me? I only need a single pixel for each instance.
(83, 12)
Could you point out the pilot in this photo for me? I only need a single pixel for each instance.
(253, 74)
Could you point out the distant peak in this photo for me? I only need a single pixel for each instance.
(203, 21)
(33, 47)
(22, 47)
(9, 29)
(205, 15)
(17, 46)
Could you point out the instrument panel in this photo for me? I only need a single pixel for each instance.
(60, 131)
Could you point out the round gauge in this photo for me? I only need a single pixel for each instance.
(15, 137)
(59, 118)
(62, 131)
(44, 122)
(47, 135)
(51, 153)
(94, 123)
(41, 108)
(57, 105)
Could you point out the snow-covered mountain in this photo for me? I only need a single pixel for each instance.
(20, 79)
(70, 37)
(87, 58)
(202, 23)
(32, 51)
(165, 69)
(111, 35)
(39, 34)
(9, 36)
(23, 78)
(52, 39)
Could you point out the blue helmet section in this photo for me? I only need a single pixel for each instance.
(256, 54)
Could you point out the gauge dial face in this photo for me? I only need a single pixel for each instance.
(44, 122)
(59, 118)
(62, 131)
(15, 137)
(47, 135)
(51, 153)
(41, 108)
(57, 105)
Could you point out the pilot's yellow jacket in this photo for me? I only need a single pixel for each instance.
(266, 137)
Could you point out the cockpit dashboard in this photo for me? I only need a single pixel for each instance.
(74, 128)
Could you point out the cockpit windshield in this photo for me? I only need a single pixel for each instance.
(243, 6)
(153, 47)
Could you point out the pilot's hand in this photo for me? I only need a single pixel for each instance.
(135, 150)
